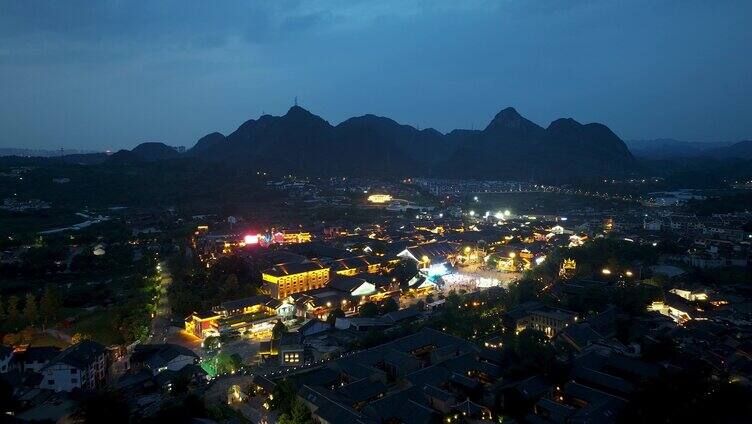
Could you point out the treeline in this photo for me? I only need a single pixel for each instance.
(183, 183)
(616, 255)
(34, 312)
(739, 202)
(195, 288)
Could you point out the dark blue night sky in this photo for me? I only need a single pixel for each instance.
(110, 74)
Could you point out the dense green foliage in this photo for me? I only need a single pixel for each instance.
(195, 288)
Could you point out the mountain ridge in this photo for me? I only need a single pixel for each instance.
(510, 146)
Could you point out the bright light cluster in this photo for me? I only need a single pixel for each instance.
(379, 198)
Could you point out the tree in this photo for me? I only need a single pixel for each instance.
(31, 313)
(49, 305)
(278, 330)
(299, 414)
(390, 305)
(227, 364)
(211, 343)
(333, 315)
(2, 311)
(368, 309)
(283, 396)
(14, 317)
(231, 286)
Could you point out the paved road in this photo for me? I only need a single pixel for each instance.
(160, 325)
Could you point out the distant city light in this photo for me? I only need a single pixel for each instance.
(629, 273)
(507, 213)
(251, 239)
(472, 213)
(475, 198)
(379, 198)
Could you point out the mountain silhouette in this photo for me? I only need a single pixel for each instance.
(510, 146)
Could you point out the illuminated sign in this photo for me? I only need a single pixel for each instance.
(251, 239)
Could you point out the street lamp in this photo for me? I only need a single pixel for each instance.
(606, 271)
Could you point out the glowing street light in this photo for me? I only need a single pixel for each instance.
(606, 271)
(472, 213)
(629, 273)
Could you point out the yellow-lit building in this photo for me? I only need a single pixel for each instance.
(249, 305)
(298, 237)
(356, 265)
(568, 268)
(283, 280)
(201, 324)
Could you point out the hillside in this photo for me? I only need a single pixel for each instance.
(511, 146)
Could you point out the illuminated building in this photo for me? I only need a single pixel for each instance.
(288, 349)
(290, 237)
(202, 324)
(568, 268)
(297, 237)
(263, 305)
(251, 315)
(379, 198)
(356, 265)
(283, 280)
(355, 287)
(675, 307)
(540, 317)
(428, 253)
